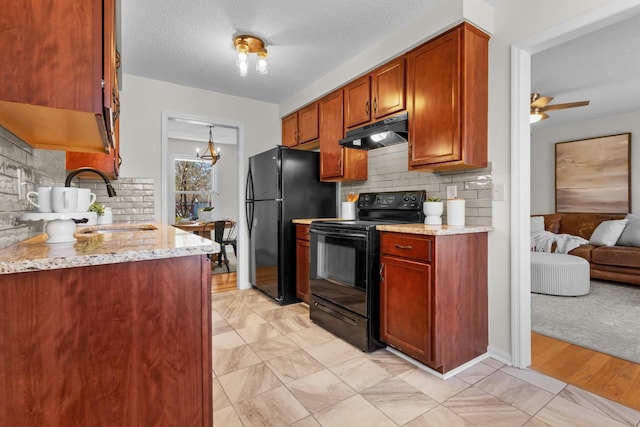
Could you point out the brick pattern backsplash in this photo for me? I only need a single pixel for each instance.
(134, 202)
(388, 172)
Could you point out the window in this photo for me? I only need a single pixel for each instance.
(194, 186)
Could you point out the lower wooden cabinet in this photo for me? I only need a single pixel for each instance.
(302, 262)
(433, 297)
(125, 344)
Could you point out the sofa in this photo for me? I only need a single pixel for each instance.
(606, 234)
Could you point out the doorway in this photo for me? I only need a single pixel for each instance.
(520, 161)
(186, 137)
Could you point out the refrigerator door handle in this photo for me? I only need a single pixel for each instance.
(249, 214)
(249, 190)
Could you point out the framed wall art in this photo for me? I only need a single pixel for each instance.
(594, 175)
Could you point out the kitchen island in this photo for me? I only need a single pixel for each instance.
(113, 329)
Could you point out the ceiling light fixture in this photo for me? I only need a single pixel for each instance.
(246, 44)
(210, 153)
(536, 115)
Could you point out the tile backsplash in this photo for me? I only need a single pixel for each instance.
(134, 202)
(388, 171)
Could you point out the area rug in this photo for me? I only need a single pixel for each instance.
(232, 263)
(606, 320)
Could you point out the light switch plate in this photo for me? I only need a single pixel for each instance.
(452, 191)
(498, 191)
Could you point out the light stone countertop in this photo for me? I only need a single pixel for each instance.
(308, 221)
(128, 244)
(434, 230)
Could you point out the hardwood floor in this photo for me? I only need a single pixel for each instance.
(224, 282)
(604, 375)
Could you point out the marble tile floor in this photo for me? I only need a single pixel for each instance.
(272, 366)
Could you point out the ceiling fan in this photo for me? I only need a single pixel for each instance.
(539, 106)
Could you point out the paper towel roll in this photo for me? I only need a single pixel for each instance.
(455, 212)
(348, 210)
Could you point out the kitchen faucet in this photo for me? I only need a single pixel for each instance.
(110, 190)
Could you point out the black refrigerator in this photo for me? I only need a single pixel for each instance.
(282, 184)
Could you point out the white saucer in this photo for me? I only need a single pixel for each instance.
(61, 240)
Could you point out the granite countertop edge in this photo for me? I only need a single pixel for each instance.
(434, 230)
(165, 241)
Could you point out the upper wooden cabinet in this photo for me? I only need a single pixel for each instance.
(337, 163)
(448, 90)
(109, 163)
(300, 127)
(57, 60)
(376, 95)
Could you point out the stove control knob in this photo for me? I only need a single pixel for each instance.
(413, 197)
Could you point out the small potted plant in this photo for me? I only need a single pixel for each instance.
(433, 209)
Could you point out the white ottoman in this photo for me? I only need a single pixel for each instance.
(559, 274)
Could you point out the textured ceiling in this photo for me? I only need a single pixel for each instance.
(602, 67)
(189, 42)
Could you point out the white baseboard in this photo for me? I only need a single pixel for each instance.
(444, 376)
(500, 355)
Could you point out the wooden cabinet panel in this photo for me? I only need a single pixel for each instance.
(406, 246)
(302, 262)
(357, 102)
(300, 127)
(290, 130)
(388, 88)
(406, 306)
(448, 91)
(308, 123)
(119, 345)
(55, 99)
(338, 163)
(434, 297)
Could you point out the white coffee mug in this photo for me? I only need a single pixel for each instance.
(64, 199)
(42, 199)
(85, 199)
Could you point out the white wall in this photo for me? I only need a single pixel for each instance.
(511, 22)
(543, 155)
(143, 102)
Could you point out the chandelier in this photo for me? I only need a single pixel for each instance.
(210, 153)
(246, 44)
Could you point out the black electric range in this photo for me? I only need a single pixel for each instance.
(345, 263)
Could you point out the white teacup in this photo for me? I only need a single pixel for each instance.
(64, 199)
(85, 199)
(42, 199)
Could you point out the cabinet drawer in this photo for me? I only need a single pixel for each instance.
(302, 231)
(406, 246)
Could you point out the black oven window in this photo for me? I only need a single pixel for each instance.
(343, 261)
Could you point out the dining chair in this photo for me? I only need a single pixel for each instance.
(225, 234)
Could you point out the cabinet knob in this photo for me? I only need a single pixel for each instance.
(366, 108)
(375, 105)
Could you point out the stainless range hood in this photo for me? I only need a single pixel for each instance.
(393, 130)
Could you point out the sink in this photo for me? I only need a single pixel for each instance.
(117, 228)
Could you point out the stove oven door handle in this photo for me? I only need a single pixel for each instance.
(337, 233)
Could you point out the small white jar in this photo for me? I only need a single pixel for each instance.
(106, 217)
